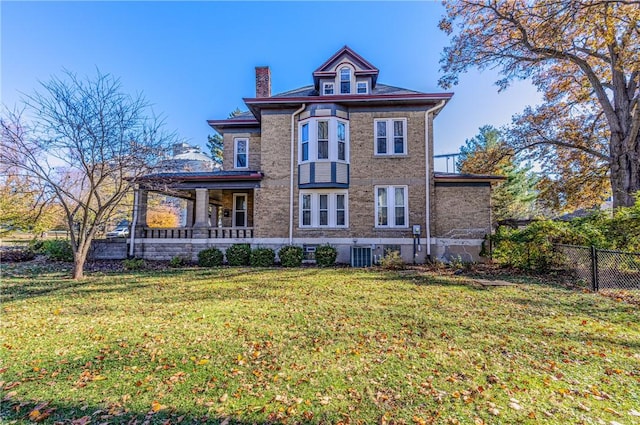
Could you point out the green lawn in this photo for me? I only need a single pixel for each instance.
(312, 346)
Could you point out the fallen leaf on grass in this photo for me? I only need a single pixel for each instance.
(156, 406)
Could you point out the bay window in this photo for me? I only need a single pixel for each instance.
(323, 208)
(324, 140)
(391, 206)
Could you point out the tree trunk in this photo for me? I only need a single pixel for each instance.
(625, 171)
(79, 258)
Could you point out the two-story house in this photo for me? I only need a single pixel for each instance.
(346, 161)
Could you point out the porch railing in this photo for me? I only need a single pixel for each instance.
(188, 233)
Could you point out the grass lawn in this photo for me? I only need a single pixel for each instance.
(312, 346)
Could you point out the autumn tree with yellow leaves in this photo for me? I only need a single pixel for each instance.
(584, 56)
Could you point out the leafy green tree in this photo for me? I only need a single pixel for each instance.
(216, 147)
(584, 56)
(487, 153)
(215, 142)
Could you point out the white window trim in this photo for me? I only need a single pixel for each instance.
(391, 211)
(325, 86)
(332, 208)
(234, 210)
(390, 137)
(333, 140)
(235, 152)
(366, 87)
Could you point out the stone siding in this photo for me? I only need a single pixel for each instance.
(108, 249)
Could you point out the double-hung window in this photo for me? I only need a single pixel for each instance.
(362, 87)
(391, 206)
(345, 81)
(323, 208)
(390, 136)
(241, 153)
(324, 139)
(304, 142)
(327, 88)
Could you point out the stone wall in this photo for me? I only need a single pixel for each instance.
(108, 249)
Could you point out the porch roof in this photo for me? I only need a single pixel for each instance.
(207, 180)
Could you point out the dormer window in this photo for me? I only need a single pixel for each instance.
(327, 88)
(362, 87)
(345, 80)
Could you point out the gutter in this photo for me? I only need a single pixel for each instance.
(427, 174)
(293, 116)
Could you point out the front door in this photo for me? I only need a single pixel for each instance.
(239, 210)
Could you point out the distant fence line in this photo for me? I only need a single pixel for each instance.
(603, 270)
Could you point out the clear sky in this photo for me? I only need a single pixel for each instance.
(195, 60)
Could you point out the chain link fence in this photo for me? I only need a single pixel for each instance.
(613, 273)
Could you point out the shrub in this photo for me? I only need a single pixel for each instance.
(36, 245)
(178, 261)
(262, 257)
(326, 255)
(210, 257)
(392, 261)
(17, 254)
(239, 254)
(134, 264)
(291, 256)
(58, 250)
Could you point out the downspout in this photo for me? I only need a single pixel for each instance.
(427, 174)
(132, 232)
(293, 116)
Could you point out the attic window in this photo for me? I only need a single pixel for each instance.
(327, 88)
(362, 87)
(345, 81)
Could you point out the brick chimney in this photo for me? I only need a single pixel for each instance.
(263, 81)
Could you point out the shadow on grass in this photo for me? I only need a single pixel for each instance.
(23, 411)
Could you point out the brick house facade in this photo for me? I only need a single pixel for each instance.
(346, 161)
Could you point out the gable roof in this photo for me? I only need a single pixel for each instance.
(327, 69)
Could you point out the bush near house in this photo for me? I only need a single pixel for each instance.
(58, 250)
(178, 261)
(17, 254)
(210, 257)
(134, 264)
(392, 261)
(326, 255)
(239, 254)
(262, 257)
(291, 256)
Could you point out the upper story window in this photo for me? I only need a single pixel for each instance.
(322, 208)
(241, 153)
(345, 80)
(325, 139)
(327, 88)
(392, 208)
(390, 136)
(362, 87)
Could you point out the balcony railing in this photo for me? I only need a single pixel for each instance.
(207, 232)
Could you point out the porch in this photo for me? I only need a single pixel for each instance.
(215, 205)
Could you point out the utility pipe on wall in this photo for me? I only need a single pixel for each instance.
(427, 174)
(293, 117)
(132, 232)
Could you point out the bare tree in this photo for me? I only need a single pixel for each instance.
(88, 143)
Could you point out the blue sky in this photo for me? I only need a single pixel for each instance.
(195, 60)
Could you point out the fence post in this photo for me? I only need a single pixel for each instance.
(594, 269)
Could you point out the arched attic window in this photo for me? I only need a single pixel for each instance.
(345, 80)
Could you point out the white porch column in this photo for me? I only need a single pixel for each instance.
(189, 218)
(202, 208)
